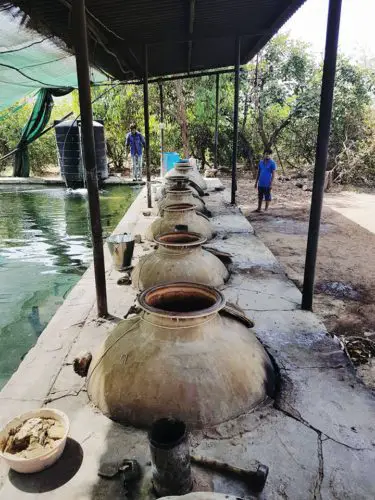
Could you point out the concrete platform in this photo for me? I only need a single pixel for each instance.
(317, 438)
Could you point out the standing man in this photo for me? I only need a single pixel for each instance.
(264, 180)
(135, 142)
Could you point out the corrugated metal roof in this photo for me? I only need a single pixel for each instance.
(120, 28)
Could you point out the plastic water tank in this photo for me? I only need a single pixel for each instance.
(68, 139)
(100, 151)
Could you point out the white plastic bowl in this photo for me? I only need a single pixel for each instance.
(37, 464)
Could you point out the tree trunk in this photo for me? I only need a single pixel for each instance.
(181, 116)
(280, 161)
(203, 158)
(261, 128)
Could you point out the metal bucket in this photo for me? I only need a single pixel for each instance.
(121, 247)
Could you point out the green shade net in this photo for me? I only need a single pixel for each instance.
(34, 127)
(32, 64)
(30, 61)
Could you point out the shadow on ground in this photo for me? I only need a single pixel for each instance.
(54, 477)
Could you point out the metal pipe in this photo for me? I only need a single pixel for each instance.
(235, 119)
(326, 99)
(83, 75)
(161, 96)
(169, 446)
(147, 126)
(216, 138)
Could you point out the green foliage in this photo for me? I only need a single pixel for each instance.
(279, 107)
(42, 152)
(120, 107)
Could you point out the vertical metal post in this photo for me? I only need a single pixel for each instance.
(216, 139)
(326, 99)
(147, 125)
(89, 159)
(161, 95)
(235, 119)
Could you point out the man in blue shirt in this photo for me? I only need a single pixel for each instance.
(135, 142)
(264, 180)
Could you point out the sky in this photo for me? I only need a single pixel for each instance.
(357, 27)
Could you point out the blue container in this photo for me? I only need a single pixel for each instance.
(169, 159)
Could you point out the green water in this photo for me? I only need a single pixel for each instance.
(44, 249)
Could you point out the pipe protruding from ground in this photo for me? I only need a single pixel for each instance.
(169, 446)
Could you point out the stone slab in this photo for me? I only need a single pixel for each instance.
(273, 439)
(298, 339)
(231, 223)
(318, 384)
(248, 252)
(348, 474)
(274, 293)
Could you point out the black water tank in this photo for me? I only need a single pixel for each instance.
(69, 147)
(100, 151)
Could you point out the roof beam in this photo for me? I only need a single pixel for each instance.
(116, 41)
(180, 77)
(95, 33)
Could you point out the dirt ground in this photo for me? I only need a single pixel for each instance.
(345, 274)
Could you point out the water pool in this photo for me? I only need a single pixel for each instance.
(44, 249)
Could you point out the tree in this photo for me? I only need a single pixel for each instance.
(278, 107)
(42, 152)
(278, 87)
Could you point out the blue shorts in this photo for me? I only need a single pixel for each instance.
(264, 192)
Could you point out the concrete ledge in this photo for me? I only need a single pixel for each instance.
(58, 181)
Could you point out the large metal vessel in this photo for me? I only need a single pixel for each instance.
(180, 357)
(179, 257)
(183, 217)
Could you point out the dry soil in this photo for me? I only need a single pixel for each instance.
(345, 274)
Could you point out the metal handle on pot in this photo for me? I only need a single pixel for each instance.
(202, 215)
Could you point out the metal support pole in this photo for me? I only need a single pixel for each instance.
(216, 139)
(147, 126)
(88, 147)
(326, 98)
(235, 119)
(161, 95)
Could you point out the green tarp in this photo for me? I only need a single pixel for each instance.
(34, 127)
